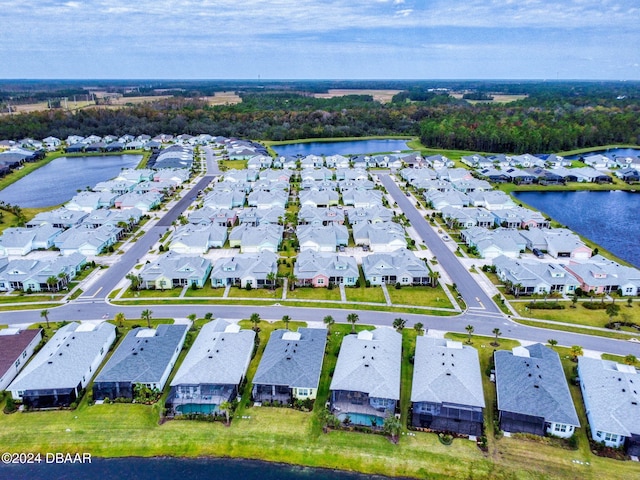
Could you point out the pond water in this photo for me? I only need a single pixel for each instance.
(59, 180)
(171, 468)
(351, 147)
(612, 152)
(610, 219)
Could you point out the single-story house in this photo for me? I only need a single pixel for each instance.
(244, 269)
(16, 348)
(175, 270)
(321, 238)
(602, 275)
(612, 402)
(213, 369)
(193, 239)
(290, 366)
(145, 357)
(323, 269)
(20, 240)
(535, 277)
(533, 394)
(309, 215)
(318, 198)
(224, 217)
(64, 366)
(400, 266)
(265, 237)
(58, 218)
(446, 393)
(380, 237)
(86, 240)
(254, 216)
(38, 275)
(375, 214)
(365, 387)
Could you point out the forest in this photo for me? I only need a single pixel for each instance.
(554, 116)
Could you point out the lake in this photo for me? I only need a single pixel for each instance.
(612, 152)
(172, 468)
(341, 148)
(610, 219)
(59, 180)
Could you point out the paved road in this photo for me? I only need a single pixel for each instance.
(110, 277)
(472, 293)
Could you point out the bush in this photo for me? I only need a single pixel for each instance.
(398, 286)
(595, 305)
(545, 306)
(10, 405)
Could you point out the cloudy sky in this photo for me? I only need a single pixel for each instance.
(324, 39)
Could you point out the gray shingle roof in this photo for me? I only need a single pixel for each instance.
(446, 372)
(220, 355)
(65, 358)
(612, 393)
(370, 363)
(534, 385)
(141, 358)
(293, 359)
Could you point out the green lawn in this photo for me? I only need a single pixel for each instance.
(580, 315)
(206, 291)
(419, 295)
(169, 293)
(236, 292)
(26, 298)
(363, 294)
(311, 293)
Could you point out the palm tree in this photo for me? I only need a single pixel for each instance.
(434, 276)
(352, 318)
(135, 280)
(328, 321)
(392, 427)
(470, 330)
(119, 319)
(292, 279)
(630, 359)
(419, 327)
(399, 324)
(612, 311)
(629, 302)
(226, 407)
(516, 289)
(271, 280)
(146, 315)
(192, 317)
(286, 319)
(552, 342)
(255, 319)
(45, 314)
(576, 351)
(51, 282)
(497, 333)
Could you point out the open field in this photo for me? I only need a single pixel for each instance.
(497, 98)
(382, 96)
(223, 98)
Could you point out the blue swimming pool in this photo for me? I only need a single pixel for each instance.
(362, 419)
(205, 409)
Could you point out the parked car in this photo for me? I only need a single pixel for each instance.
(538, 253)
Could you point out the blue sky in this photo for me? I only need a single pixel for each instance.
(325, 39)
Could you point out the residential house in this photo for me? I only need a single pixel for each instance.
(372, 215)
(612, 401)
(629, 175)
(257, 270)
(362, 198)
(64, 366)
(309, 215)
(227, 200)
(193, 239)
(563, 243)
(290, 366)
(261, 216)
(268, 199)
(224, 217)
(258, 162)
(58, 218)
(276, 176)
(323, 269)
(359, 184)
(175, 270)
(322, 174)
(264, 237)
(401, 266)
(365, 387)
(213, 369)
(336, 161)
(125, 219)
(145, 202)
(380, 237)
(590, 175)
(351, 174)
(472, 185)
(439, 200)
(520, 217)
(492, 200)
(467, 217)
(519, 176)
(176, 175)
(16, 348)
(476, 161)
(87, 241)
(453, 174)
(604, 276)
(533, 394)
(41, 275)
(318, 198)
(529, 278)
(493, 243)
(527, 160)
(145, 358)
(598, 161)
(546, 177)
(321, 238)
(446, 393)
(494, 175)
(20, 240)
(87, 201)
